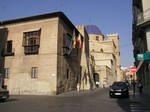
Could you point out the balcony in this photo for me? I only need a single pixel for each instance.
(31, 50)
(143, 17)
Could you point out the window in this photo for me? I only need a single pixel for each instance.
(9, 50)
(34, 72)
(67, 44)
(6, 73)
(97, 38)
(68, 72)
(31, 42)
(9, 46)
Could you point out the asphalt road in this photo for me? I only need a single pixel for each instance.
(96, 101)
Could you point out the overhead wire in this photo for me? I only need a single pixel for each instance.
(125, 45)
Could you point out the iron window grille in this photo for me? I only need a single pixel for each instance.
(6, 73)
(34, 72)
(9, 50)
(67, 44)
(31, 42)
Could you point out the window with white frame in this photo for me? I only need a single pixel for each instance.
(34, 72)
(6, 73)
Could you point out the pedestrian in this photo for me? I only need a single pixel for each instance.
(78, 87)
(133, 83)
(140, 86)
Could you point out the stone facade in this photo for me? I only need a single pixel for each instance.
(87, 81)
(115, 38)
(47, 70)
(106, 54)
(47, 55)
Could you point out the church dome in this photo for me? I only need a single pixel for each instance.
(92, 29)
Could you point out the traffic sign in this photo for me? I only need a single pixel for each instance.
(133, 69)
(140, 56)
(147, 56)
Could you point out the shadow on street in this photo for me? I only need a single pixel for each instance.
(9, 100)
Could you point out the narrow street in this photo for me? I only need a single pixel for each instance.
(92, 101)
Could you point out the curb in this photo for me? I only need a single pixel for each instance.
(80, 93)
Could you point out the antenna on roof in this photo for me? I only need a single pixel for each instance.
(59, 7)
(90, 21)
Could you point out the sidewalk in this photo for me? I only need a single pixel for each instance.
(80, 93)
(139, 98)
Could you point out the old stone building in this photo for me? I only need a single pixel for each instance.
(106, 54)
(40, 54)
(47, 55)
(87, 81)
(115, 38)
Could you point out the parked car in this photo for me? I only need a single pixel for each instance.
(4, 94)
(127, 82)
(119, 88)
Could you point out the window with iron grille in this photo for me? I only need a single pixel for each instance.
(8, 51)
(9, 46)
(6, 73)
(67, 43)
(31, 42)
(34, 72)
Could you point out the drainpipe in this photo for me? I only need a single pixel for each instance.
(1, 80)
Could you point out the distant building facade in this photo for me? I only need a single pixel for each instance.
(106, 56)
(40, 54)
(87, 79)
(115, 38)
(128, 75)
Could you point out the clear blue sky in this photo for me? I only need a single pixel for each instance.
(109, 15)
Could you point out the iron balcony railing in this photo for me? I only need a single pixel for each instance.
(143, 17)
(31, 49)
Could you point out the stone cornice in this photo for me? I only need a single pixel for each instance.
(38, 17)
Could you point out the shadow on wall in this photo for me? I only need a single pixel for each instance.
(3, 41)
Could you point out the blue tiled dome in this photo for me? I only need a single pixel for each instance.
(92, 29)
